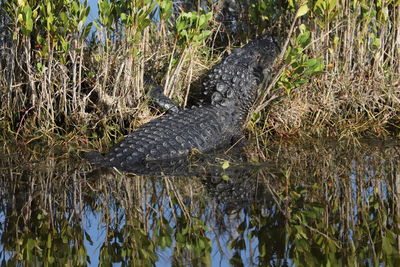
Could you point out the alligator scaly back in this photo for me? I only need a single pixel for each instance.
(232, 86)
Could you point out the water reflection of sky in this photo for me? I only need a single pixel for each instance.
(97, 232)
(3, 253)
(220, 242)
(220, 254)
(219, 257)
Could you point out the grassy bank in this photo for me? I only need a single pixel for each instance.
(65, 78)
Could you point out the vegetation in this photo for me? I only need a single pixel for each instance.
(65, 78)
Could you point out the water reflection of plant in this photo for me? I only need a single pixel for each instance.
(346, 217)
(314, 204)
(42, 224)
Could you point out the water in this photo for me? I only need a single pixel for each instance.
(314, 202)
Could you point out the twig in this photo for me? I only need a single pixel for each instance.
(21, 121)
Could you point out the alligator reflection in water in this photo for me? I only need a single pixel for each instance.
(227, 177)
(320, 203)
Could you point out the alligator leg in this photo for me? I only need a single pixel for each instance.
(158, 97)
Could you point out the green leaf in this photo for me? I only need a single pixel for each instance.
(65, 45)
(28, 19)
(225, 177)
(30, 244)
(302, 10)
(123, 253)
(225, 165)
(303, 39)
(49, 239)
(51, 259)
(387, 246)
(180, 238)
(202, 21)
(310, 63)
(64, 17)
(202, 244)
(255, 116)
(88, 238)
(48, 8)
(123, 17)
(313, 65)
(332, 5)
(320, 4)
(185, 229)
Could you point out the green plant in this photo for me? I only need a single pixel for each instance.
(299, 65)
(190, 27)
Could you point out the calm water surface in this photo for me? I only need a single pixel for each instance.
(308, 203)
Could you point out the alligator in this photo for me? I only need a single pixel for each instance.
(230, 89)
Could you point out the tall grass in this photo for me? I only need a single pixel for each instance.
(63, 77)
(358, 90)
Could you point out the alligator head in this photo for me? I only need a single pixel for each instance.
(234, 81)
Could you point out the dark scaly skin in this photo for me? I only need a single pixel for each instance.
(232, 85)
(235, 77)
(158, 96)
